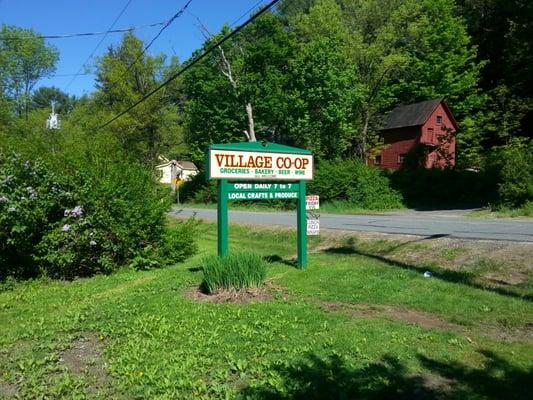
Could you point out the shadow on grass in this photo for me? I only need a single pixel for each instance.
(465, 278)
(274, 258)
(332, 378)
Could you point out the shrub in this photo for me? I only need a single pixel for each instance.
(178, 242)
(512, 166)
(32, 198)
(199, 190)
(443, 187)
(237, 270)
(350, 180)
(93, 218)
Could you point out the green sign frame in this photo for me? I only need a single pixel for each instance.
(230, 190)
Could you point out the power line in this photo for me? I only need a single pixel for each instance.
(246, 13)
(82, 34)
(98, 45)
(193, 62)
(169, 22)
(143, 52)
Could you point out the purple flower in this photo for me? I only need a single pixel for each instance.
(66, 228)
(92, 243)
(11, 209)
(77, 211)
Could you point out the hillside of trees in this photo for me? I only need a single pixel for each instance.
(317, 74)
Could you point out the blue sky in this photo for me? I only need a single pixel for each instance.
(51, 17)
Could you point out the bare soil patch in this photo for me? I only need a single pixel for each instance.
(8, 390)
(420, 318)
(427, 320)
(430, 386)
(237, 296)
(85, 357)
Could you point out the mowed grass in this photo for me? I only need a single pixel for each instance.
(350, 326)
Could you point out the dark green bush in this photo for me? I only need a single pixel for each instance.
(199, 190)
(352, 181)
(89, 209)
(178, 242)
(235, 271)
(433, 188)
(32, 199)
(512, 167)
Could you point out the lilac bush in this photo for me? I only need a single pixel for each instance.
(68, 226)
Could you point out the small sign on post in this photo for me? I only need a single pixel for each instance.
(313, 224)
(312, 202)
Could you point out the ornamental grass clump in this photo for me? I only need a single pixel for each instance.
(235, 271)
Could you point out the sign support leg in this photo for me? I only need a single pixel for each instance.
(222, 218)
(301, 217)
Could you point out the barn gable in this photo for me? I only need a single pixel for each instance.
(425, 130)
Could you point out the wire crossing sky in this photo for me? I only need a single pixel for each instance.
(55, 17)
(97, 46)
(194, 61)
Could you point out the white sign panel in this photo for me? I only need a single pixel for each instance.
(252, 165)
(313, 225)
(312, 202)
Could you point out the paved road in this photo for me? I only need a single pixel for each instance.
(411, 223)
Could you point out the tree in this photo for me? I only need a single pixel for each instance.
(503, 32)
(24, 59)
(247, 73)
(124, 75)
(44, 96)
(324, 89)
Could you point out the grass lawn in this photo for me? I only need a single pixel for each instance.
(352, 326)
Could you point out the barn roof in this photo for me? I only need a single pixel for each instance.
(413, 114)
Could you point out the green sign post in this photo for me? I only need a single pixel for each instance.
(260, 171)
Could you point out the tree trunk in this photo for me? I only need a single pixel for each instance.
(250, 134)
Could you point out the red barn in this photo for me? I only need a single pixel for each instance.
(424, 131)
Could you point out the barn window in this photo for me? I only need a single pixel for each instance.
(377, 160)
(439, 119)
(401, 158)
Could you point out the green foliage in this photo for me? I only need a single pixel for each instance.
(178, 242)
(358, 184)
(199, 190)
(512, 166)
(120, 209)
(235, 271)
(32, 199)
(433, 188)
(257, 61)
(143, 263)
(24, 59)
(42, 98)
(124, 75)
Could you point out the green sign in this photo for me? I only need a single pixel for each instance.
(225, 161)
(263, 191)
